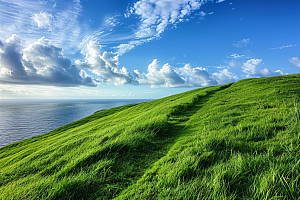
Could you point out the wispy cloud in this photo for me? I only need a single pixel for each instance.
(236, 56)
(59, 22)
(284, 47)
(32, 20)
(202, 15)
(295, 61)
(156, 16)
(242, 43)
(106, 33)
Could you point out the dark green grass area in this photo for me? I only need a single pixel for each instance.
(236, 141)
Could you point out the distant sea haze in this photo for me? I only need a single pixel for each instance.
(23, 119)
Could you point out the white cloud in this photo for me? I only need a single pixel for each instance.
(224, 76)
(250, 69)
(202, 15)
(250, 66)
(196, 77)
(267, 72)
(37, 91)
(105, 65)
(156, 15)
(124, 48)
(219, 1)
(165, 76)
(168, 76)
(295, 61)
(43, 19)
(284, 47)
(106, 33)
(242, 43)
(232, 63)
(34, 19)
(40, 63)
(24, 92)
(236, 56)
(187, 76)
(6, 93)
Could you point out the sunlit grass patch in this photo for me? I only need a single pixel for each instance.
(237, 141)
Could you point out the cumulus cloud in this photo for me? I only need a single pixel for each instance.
(196, 77)
(187, 76)
(165, 76)
(295, 61)
(250, 66)
(225, 76)
(267, 72)
(40, 63)
(105, 65)
(250, 69)
(219, 1)
(242, 43)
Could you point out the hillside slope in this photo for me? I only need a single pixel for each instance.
(236, 141)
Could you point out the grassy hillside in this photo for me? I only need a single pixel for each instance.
(236, 141)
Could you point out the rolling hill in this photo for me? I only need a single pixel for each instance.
(235, 141)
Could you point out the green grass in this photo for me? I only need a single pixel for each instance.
(236, 141)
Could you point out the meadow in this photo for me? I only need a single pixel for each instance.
(235, 141)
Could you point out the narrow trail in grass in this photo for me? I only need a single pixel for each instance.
(179, 119)
(176, 124)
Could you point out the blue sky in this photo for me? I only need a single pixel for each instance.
(143, 49)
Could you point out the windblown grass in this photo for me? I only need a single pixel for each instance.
(236, 141)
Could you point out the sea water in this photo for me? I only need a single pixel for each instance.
(23, 119)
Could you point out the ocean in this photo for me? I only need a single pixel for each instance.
(23, 119)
